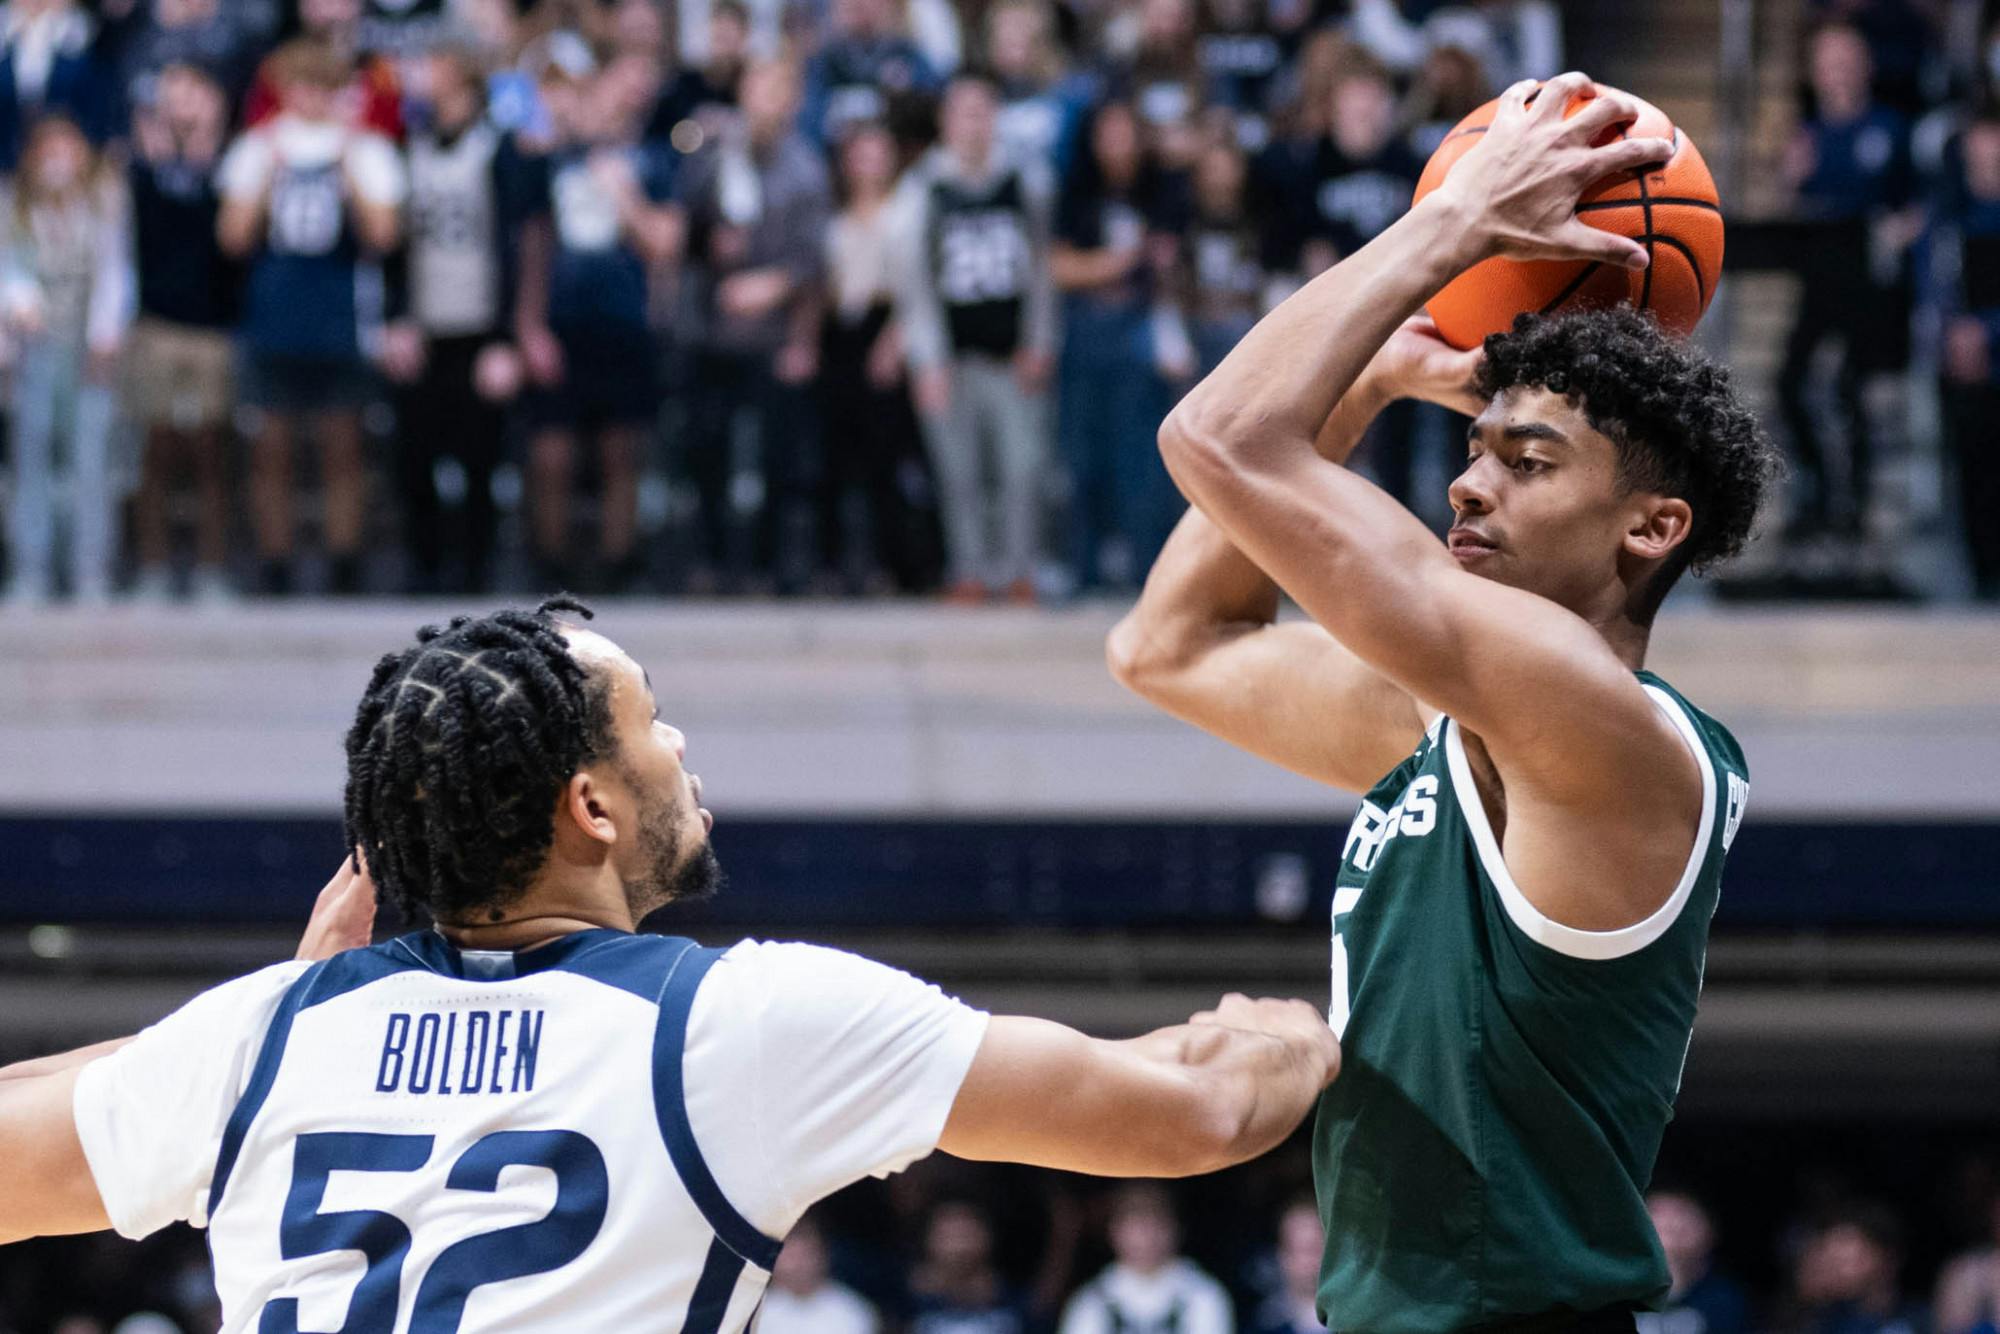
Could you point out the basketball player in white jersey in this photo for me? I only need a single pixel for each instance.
(531, 1118)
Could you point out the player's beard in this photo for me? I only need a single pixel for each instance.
(672, 873)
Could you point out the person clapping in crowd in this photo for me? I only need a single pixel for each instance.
(312, 203)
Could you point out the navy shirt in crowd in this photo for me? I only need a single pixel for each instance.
(596, 278)
(1859, 167)
(183, 275)
(1350, 201)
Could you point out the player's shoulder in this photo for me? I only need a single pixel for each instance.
(1713, 735)
(793, 985)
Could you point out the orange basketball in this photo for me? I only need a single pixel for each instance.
(1670, 208)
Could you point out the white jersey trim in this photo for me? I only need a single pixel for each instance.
(1569, 940)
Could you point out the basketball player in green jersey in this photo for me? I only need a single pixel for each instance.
(1522, 908)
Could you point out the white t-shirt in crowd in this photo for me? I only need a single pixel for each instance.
(1148, 1302)
(830, 1309)
(599, 1132)
(372, 162)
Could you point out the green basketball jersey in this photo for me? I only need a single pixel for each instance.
(1505, 1079)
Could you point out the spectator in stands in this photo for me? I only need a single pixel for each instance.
(956, 1289)
(66, 293)
(1970, 367)
(1850, 167)
(1360, 178)
(1451, 85)
(1903, 46)
(978, 314)
(1848, 1279)
(1362, 175)
(1037, 102)
(48, 66)
(872, 518)
(601, 222)
(1149, 1288)
(704, 95)
(1241, 58)
(867, 64)
(1165, 80)
(755, 205)
(803, 1297)
(311, 203)
(201, 33)
(1115, 236)
(1699, 1300)
(370, 99)
(451, 352)
(1968, 1291)
(180, 387)
(1511, 39)
(1294, 1309)
(1225, 274)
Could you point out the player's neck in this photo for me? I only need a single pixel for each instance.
(544, 914)
(1627, 638)
(521, 933)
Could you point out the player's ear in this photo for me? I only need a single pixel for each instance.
(1663, 524)
(583, 806)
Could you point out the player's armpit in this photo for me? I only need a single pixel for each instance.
(46, 1188)
(1177, 1102)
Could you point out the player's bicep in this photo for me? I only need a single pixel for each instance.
(49, 1189)
(1530, 676)
(1048, 1096)
(1292, 694)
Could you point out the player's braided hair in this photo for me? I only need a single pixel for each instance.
(1676, 421)
(460, 748)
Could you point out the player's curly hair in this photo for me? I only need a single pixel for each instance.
(1679, 428)
(458, 752)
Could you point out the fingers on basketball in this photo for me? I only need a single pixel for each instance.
(1667, 204)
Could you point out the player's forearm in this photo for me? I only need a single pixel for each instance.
(1280, 386)
(1256, 1087)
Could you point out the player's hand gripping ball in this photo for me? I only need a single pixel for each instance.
(1670, 208)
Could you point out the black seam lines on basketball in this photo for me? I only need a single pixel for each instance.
(1470, 129)
(1646, 205)
(1575, 285)
(1694, 265)
(1659, 201)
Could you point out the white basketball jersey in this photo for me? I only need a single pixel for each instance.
(426, 1140)
(454, 240)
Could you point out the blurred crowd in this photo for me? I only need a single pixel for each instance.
(836, 296)
(809, 296)
(953, 1249)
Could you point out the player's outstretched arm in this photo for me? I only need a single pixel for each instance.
(1228, 1085)
(46, 1188)
(1204, 642)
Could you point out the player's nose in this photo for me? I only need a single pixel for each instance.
(1469, 493)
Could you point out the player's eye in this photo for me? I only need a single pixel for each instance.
(1530, 465)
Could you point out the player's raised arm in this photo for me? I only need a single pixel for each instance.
(1204, 642)
(1225, 1087)
(1562, 715)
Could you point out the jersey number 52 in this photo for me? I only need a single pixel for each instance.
(550, 1242)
